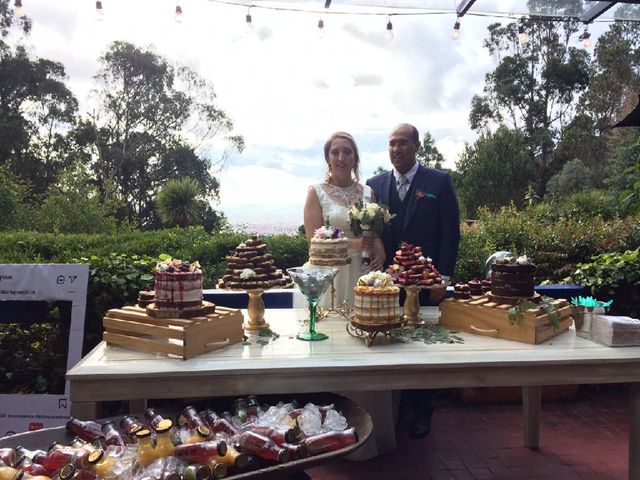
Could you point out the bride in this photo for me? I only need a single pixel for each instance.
(332, 200)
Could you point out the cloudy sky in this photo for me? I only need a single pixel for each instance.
(286, 89)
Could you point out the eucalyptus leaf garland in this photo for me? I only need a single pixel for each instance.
(428, 334)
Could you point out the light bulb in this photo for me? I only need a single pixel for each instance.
(389, 33)
(99, 11)
(523, 38)
(178, 13)
(248, 23)
(17, 8)
(586, 39)
(320, 31)
(455, 33)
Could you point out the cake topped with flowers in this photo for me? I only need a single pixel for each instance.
(251, 267)
(178, 284)
(329, 247)
(377, 299)
(411, 267)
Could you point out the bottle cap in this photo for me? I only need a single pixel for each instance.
(241, 461)
(219, 470)
(53, 445)
(283, 455)
(221, 447)
(293, 435)
(67, 471)
(164, 425)
(143, 433)
(95, 456)
(203, 431)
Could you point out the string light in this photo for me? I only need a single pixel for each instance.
(99, 11)
(585, 37)
(17, 8)
(523, 38)
(455, 33)
(320, 31)
(248, 22)
(389, 33)
(178, 13)
(327, 3)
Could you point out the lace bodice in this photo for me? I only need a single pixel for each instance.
(336, 205)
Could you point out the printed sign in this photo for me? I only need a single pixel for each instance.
(22, 282)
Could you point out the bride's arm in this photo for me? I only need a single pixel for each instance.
(312, 213)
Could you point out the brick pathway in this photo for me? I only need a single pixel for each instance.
(586, 439)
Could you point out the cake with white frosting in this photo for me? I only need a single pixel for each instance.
(377, 299)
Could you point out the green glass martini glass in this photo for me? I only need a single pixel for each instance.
(312, 282)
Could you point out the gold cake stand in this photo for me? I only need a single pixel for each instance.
(369, 331)
(411, 310)
(344, 309)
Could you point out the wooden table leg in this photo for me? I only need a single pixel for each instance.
(531, 401)
(634, 432)
(85, 410)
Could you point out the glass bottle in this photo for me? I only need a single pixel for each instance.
(327, 442)
(200, 452)
(10, 473)
(77, 442)
(69, 472)
(101, 463)
(279, 435)
(26, 464)
(253, 407)
(8, 456)
(190, 417)
(196, 472)
(233, 458)
(263, 447)
(240, 410)
(59, 457)
(224, 426)
(153, 417)
(145, 447)
(209, 417)
(199, 434)
(87, 430)
(164, 444)
(112, 435)
(131, 425)
(297, 451)
(218, 470)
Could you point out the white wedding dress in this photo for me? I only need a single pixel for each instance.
(382, 405)
(335, 203)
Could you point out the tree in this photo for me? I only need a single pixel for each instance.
(535, 86)
(574, 177)
(624, 169)
(495, 171)
(154, 122)
(428, 154)
(180, 202)
(35, 107)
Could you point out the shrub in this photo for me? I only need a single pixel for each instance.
(613, 276)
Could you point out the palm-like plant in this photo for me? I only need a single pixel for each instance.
(180, 202)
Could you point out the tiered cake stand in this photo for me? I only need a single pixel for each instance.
(411, 310)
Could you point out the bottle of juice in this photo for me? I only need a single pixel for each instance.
(199, 434)
(263, 447)
(164, 444)
(100, 463)
(326, 442)
(131, 425)
(112, 435)
(200, 452)
(87, 430)
(145, 448)
(8, 456)
(233, 458)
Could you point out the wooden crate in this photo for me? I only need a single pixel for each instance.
(131, 327)
(481, 316)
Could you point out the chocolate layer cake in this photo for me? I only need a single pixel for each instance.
(512, 280)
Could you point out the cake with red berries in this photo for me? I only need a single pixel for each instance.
(411, 267)
(329, 247)
(178, 285)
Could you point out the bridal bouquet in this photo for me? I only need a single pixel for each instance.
(368, 219)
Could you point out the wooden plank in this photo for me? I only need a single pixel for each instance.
(142, 317)
(124, 326)
(143, 344)
(531, 403)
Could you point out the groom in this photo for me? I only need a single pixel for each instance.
(427, 215)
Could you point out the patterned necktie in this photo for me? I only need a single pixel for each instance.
(403, 186)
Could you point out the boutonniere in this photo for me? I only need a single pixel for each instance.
(420, 195)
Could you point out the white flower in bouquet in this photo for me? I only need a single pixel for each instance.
(369, 217)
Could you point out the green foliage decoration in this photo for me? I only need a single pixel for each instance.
(613, 276)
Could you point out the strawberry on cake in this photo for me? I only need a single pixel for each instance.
(410, 267)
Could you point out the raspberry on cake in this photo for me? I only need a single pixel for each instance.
(329, 247)
(410, 267)
(178, 285)
(377, 299)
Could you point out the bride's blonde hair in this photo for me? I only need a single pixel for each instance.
(327, 147)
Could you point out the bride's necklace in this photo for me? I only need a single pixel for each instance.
(347, 195)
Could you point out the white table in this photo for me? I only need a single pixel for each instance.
(288, 365)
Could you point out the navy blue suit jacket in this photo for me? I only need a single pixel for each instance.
(432, 222)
